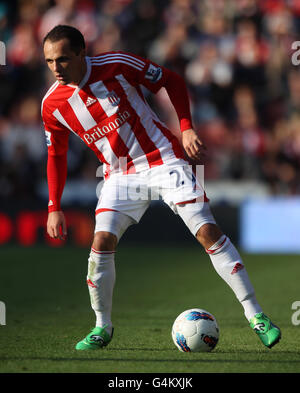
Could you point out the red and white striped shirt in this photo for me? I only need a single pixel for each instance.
(109, 113)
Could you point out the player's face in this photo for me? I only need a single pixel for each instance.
(67, 66)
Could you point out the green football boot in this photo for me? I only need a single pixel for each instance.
(98, 338)
(268, 333)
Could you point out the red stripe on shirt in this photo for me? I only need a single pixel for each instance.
(152, 153)
(172, 139)
(69, 115)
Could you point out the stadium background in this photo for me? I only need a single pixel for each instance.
(235, 56)
(245, 97)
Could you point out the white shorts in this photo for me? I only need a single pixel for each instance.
(125, 198)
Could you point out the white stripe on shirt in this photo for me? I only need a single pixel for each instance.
(81, 112)
(61, 119)
(117, 61)
(120, 55)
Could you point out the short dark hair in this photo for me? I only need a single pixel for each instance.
(74, 36)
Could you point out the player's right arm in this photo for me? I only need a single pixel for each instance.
(56, 177)
(57, 142)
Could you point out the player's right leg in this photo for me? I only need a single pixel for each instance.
(110, 226)
(115, 212)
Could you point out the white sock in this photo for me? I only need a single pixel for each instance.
(101, 280)
(228, 264)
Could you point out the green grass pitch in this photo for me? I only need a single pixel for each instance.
(48, 311)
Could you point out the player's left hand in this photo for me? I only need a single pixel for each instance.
(193, 145)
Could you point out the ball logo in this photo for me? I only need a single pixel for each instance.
(195, 315)
(209, 340)
(181, 341)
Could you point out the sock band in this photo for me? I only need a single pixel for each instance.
(215, 247)
(102, 252)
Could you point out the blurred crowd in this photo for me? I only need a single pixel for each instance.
(236, 58)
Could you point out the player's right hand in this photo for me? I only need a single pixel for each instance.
(56, 225)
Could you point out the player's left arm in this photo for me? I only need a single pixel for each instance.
(178, 94)
(154, 77)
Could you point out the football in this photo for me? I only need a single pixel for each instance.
(195, 330)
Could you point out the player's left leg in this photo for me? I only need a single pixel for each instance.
(186, 197)
(229, 265)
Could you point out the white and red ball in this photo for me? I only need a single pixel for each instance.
(195, 330)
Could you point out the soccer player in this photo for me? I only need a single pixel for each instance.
(101, 101)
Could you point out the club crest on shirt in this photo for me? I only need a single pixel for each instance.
(153, 73)
(113, 98)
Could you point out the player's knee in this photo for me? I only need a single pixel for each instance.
(208, 234)
(104, 241)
